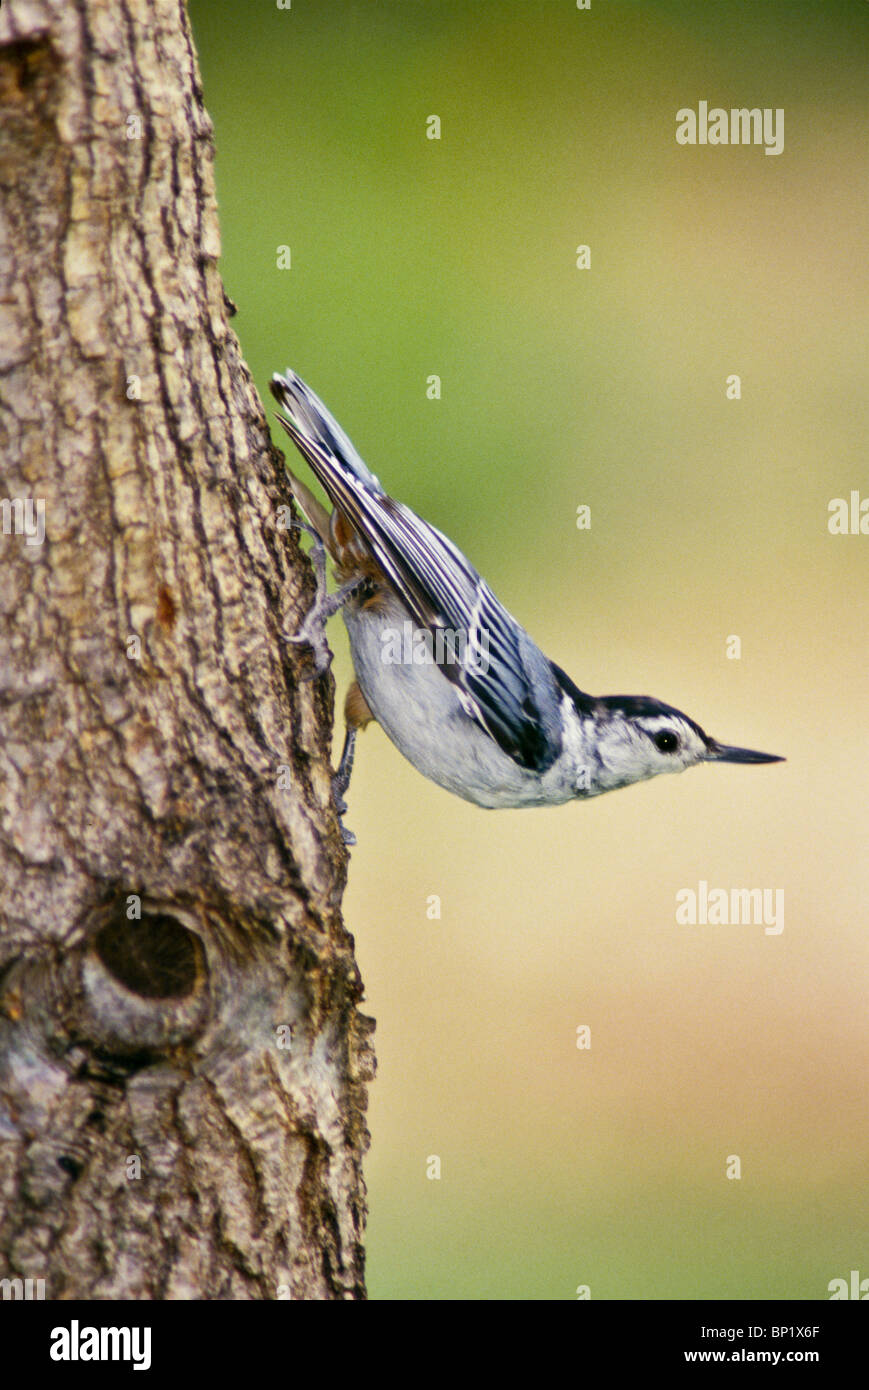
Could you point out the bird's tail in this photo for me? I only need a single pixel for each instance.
(316, 433)
(333, 459)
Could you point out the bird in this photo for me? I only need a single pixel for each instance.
(451, 676)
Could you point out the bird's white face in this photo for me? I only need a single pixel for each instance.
(668, 743)
(633, 748)
(640, 738)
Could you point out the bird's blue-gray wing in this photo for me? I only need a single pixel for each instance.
(504, 681)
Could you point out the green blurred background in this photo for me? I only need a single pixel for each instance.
(603, 1167)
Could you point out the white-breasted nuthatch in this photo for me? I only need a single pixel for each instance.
(456, 683)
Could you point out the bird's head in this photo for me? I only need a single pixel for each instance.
(639, 737)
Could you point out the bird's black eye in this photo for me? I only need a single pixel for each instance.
(666, 741)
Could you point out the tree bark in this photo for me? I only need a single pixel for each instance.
(182, 1059)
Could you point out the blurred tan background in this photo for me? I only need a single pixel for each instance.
(603, 1167)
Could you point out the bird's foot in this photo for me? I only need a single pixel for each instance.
(312, 632)
(341, 781)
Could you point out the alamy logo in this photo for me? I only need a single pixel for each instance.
(857, 1288)
(848, 520)
(741, 125)
(22, 1288)
(75, 1343)
(23, 516)
(715, 907)
(419, 646)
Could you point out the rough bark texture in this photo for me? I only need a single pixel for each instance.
(182, 1091)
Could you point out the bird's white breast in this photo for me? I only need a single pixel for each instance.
(421, 711)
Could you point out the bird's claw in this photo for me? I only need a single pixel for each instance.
(312, 633)
(341, 781)
(341, 807)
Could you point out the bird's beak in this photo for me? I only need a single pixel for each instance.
(723, 753)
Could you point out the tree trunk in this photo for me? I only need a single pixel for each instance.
(182, 1060)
